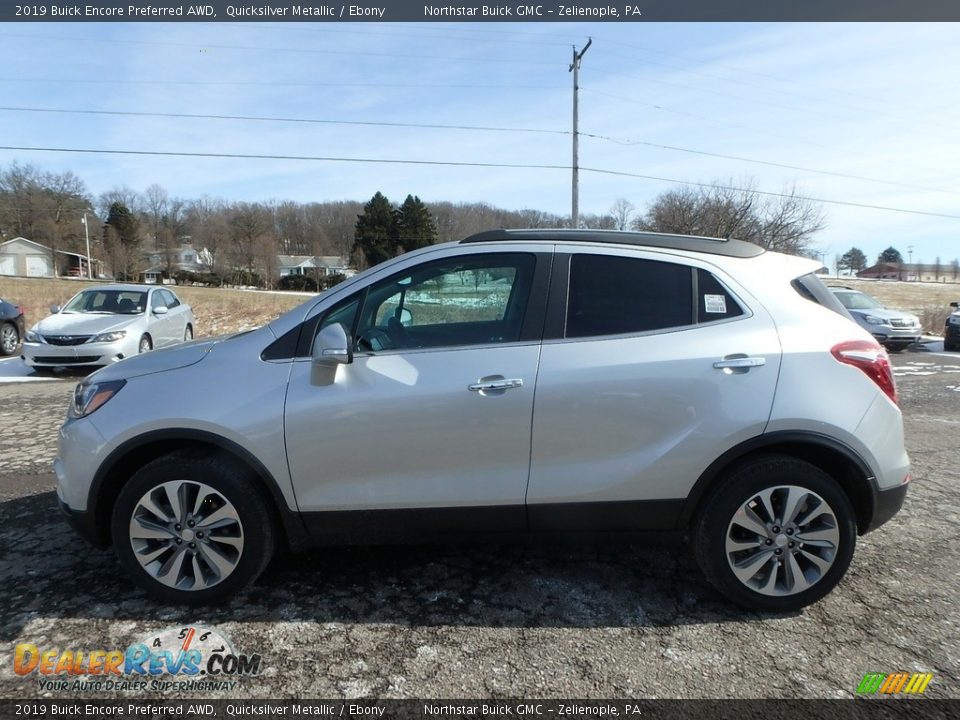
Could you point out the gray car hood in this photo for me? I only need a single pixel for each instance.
(83, 323)
(885, 313)
(157, 361)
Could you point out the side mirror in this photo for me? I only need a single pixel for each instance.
(160, 310)
(54, 309)
(954, 305)
(332, 346)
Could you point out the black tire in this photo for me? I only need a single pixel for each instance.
(737, 488)
(234, 483)
(188, 333)
(950, 346)
(9, 339)
(897, 347)
(145, 340)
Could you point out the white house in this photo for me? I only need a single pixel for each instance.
(185, 258)
(315, 266)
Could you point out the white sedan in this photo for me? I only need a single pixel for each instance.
(101, 325)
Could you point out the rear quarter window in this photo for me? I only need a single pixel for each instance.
(811, 288)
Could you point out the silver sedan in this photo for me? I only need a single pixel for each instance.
(105, 324)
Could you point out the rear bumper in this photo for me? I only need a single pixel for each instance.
(886, 505)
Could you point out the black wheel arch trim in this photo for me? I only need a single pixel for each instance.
(865, 505)
(290, 521)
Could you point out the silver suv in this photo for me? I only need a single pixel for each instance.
(894, 329)
(534, 381)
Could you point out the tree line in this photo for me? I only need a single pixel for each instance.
(247, 237)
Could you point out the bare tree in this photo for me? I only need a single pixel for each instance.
(785, 224)
(622, 211)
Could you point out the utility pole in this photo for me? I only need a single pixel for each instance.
(575, 69)
(86, 232)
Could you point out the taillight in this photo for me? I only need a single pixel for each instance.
(872, 359)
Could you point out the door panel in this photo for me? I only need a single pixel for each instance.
(638, 418)
(402, 430)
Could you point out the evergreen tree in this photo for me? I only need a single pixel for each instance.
(124, 224)
(890, 255)
(415, 225)
(375, 233)
(853, 260)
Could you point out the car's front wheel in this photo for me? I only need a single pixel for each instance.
(776, 535)
(9, 339)
(146, 344)
(192, 529)
(188, 333)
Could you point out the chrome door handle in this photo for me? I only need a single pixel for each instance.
(733, 363)
(484, 385)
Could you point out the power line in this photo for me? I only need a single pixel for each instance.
(753, 129)
(338, 30)
(768, 193)
(450, 163)
(478, 128)
(743, 71)
(278, 83)
(765, 88)
(767, 162)
(258, 118)
(309, 51)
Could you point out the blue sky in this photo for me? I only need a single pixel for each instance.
(877, 100)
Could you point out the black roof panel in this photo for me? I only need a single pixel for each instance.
(693, 243)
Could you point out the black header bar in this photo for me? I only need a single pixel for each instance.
(469, 11)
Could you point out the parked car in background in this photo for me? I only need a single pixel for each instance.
(894, 329)
(11, 327)
(537, 381)
(104, 324)
(951, 329)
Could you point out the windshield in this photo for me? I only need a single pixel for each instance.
(108, 302)
(853, 300)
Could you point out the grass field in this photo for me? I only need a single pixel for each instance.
(218, 311)
(224, 310)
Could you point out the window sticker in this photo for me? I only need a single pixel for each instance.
(715, 304)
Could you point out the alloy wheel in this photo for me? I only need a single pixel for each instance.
(186, 535)
(782, 540)
(8, 339)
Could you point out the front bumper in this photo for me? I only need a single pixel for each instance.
(886, 333)
(87, 354)
(84, 524)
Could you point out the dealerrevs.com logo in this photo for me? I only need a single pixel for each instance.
(188, 659)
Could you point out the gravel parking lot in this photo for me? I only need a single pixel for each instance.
(527, 621)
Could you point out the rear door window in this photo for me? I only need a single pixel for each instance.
(613, 295)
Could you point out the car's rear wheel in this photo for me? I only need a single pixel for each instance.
(776, 535)
(950, 346)
(192, 529)
(9, 339)
(146, 344)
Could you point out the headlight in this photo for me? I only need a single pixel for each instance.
(31, 336)
(110, 336)
(90, 396)
(873, 320)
